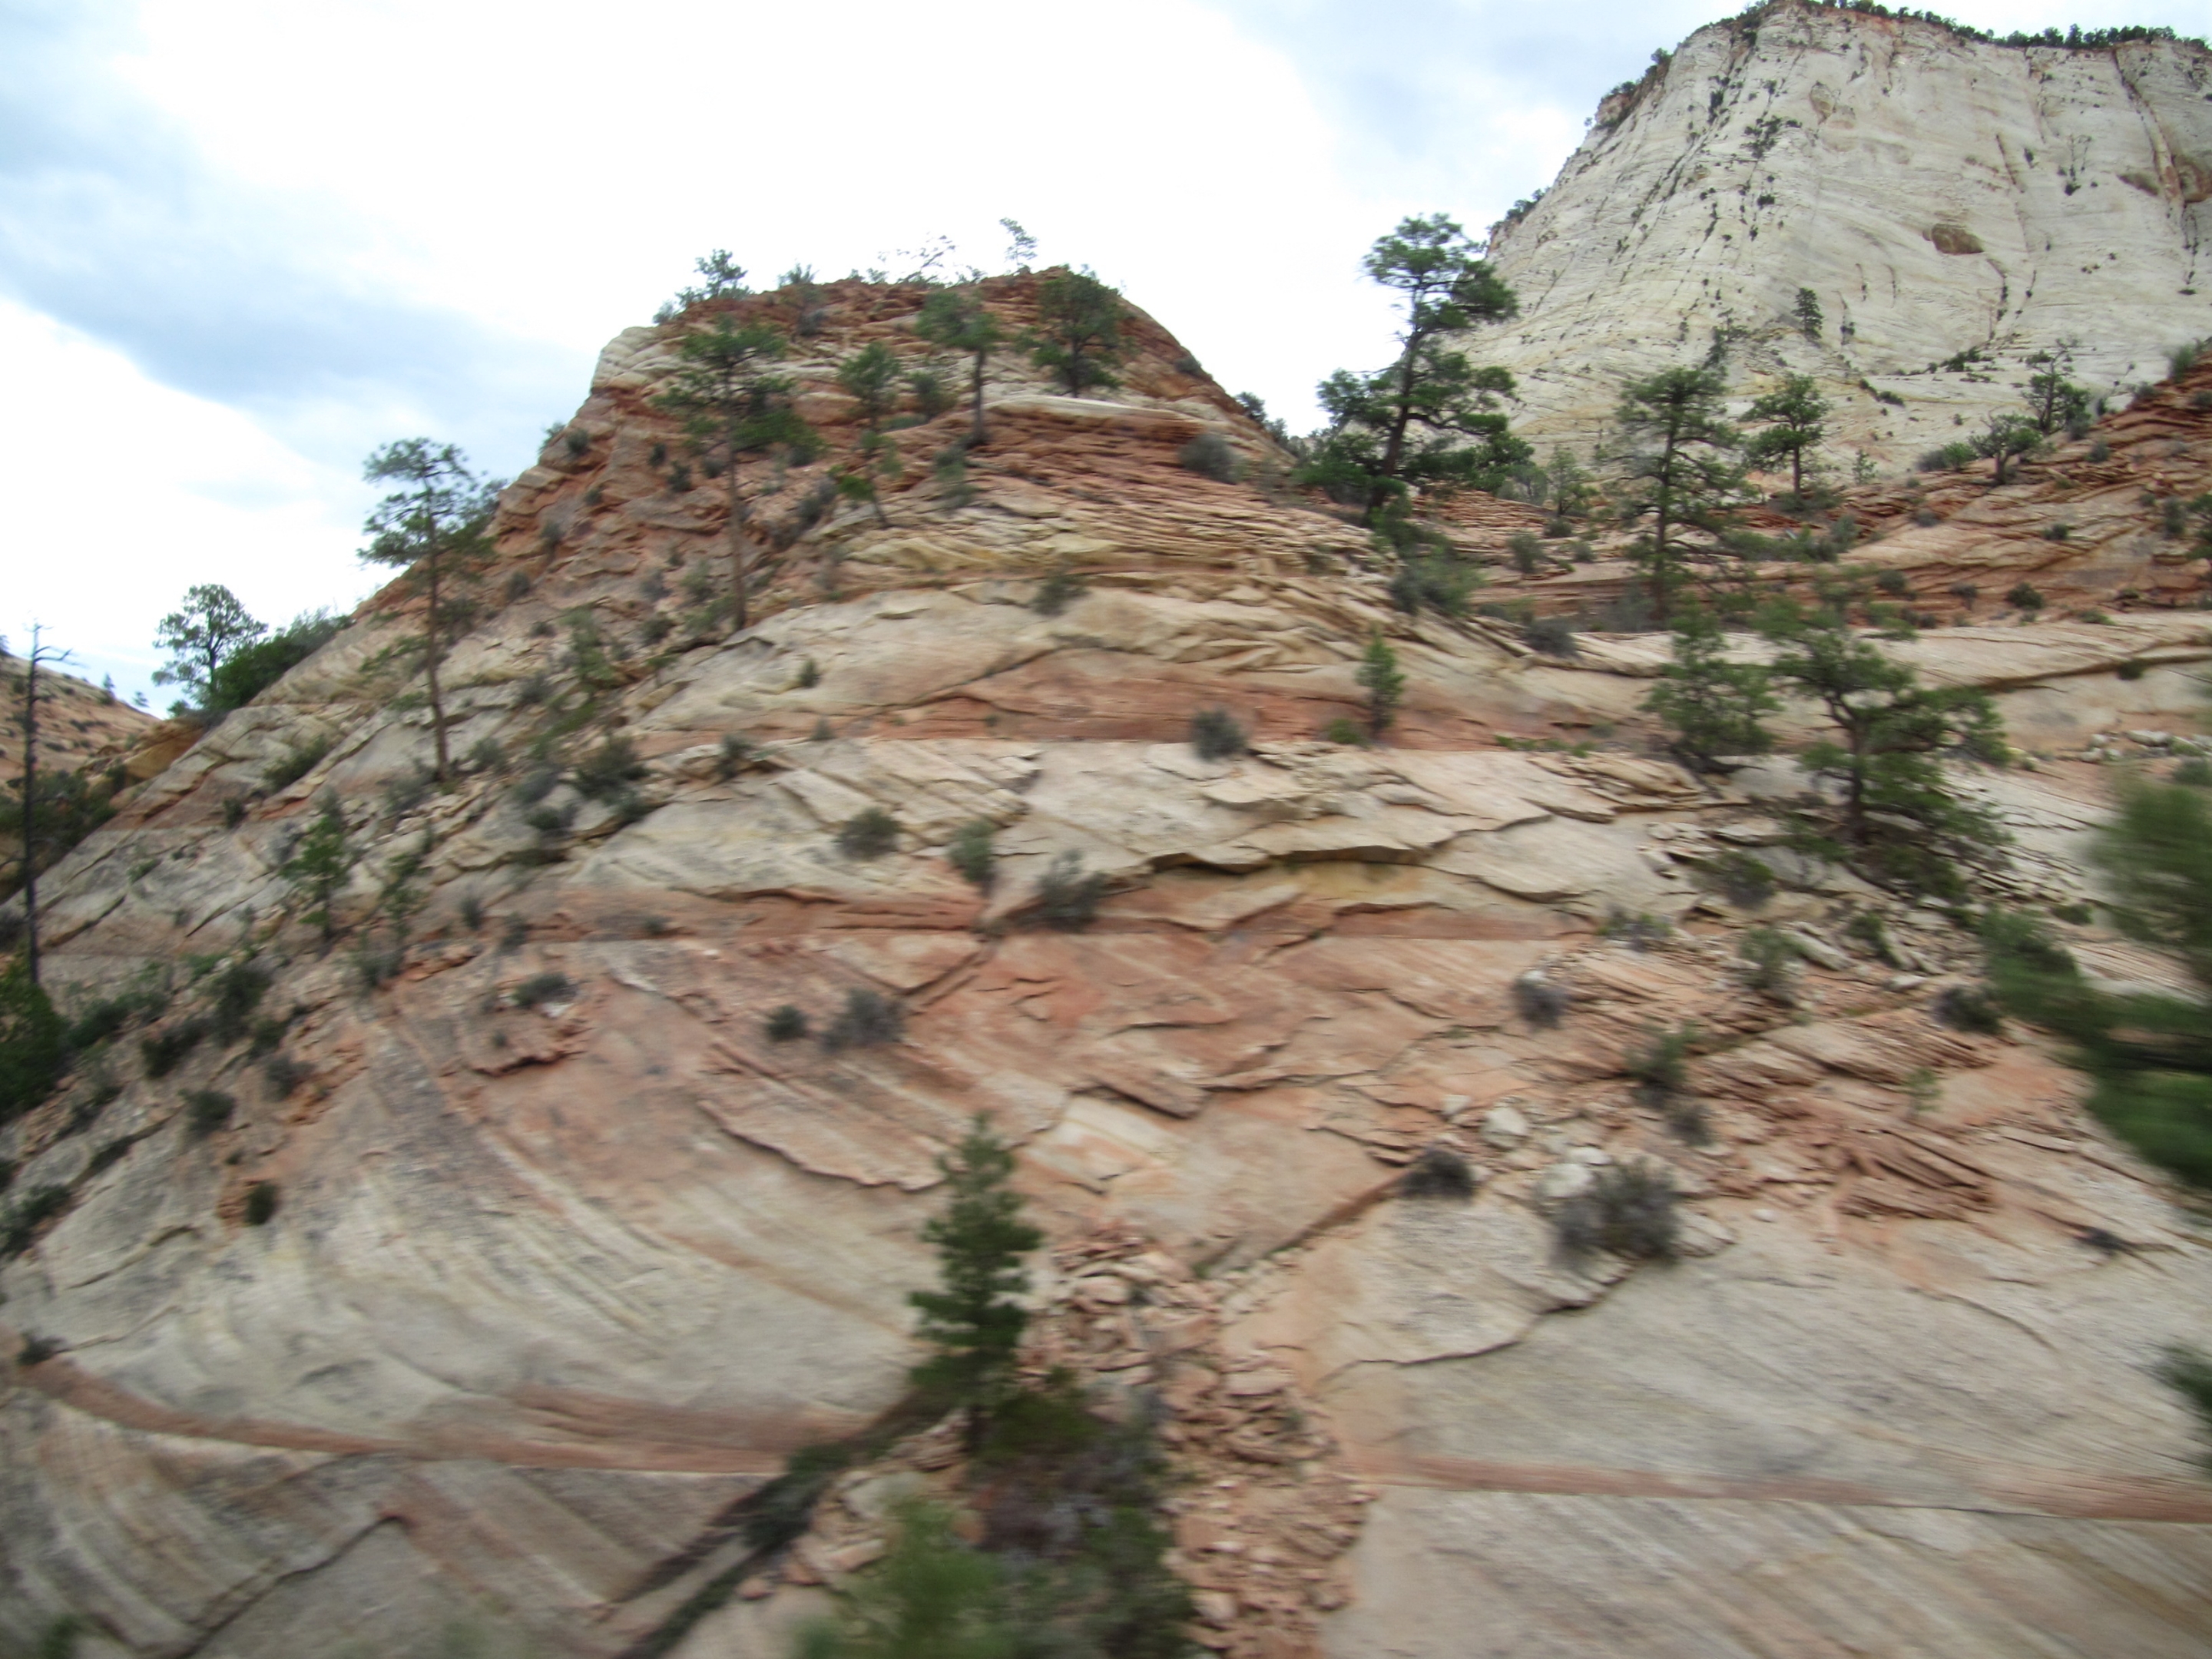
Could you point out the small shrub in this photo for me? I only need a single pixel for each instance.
(260, 1203)
(514, 936)
(869, 833)
(780, 1511)
(36, 1351)
(608, 769)
(1215, 735)
(536, 785)
(21, 1221)
(821, 733)
(2025, 597)
(1541, 1002)
(1552, 636)
(472, 913)
(485, 755)
(2189, 1373)
(1345, 730)
(1660, 1066)
(2129, 671)
(1067, 899)
(1211, 456)
(234, 990)
(1629, 1210)
(1526, 552)
(1893, 582)
(2101, 451)
(786, 1024)
(550, 820)
(972, 853)
(233, 811)
(1925, 517)
(280, 1075)
(294, 764)
(207, 1110)
(1056, 592)
(1639, 932)
(1770, 957)
(2174, 517)
(809, 675)
(516, 585)
(2057, 532)
(1438, 1172)
(534, 689)
(1966, 1008)
(2196, 772)
(1439, 582)
(548, 987)
(1744, 880)
(164, 1051)
(1966, 593)
(733, 757)
(869, 1020)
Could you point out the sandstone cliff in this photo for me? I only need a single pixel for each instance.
(1938, 196)
(566, 1253)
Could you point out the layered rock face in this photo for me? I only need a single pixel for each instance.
(1937, 196)
(566, 1254)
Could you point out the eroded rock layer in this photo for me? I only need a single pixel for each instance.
(567, 1253)
(1952, 206)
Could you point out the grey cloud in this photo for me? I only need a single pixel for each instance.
(110, 223)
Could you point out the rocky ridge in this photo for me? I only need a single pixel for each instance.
(568, 1254)
(1954, 206)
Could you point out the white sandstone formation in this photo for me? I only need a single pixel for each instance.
(1937, 195)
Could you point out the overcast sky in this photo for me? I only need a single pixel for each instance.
(242, 242)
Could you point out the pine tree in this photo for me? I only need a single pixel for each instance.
(2054, 401)
(1379, 676)
(1714, 705)
(1901, 823)
(955, 318)
(318, 866)
(973, 1321)
(1682, 473)
(2149, 1052)
(32, 1051)
(870, 378)
(436, 526)
(1793, 421)
(206, 631)
(1079, 334)
(1433, 418)
(2004, 437)
(732, 406)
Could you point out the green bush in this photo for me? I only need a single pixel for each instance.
(32, 1043)
(164, 1051)
(294, 764)
(261, 1203)
(1526, 552)
(733, 757)
(1059, 590)
(1215, 735)
(20, 1222)
(1436, 581)
(1541, 1002)
(1966, 1008)
(868, 1020)
(607, 770)
(253, 668)
(1770, 959)
(1639, 932)
(1343, 730)
(1743, 879)
(207, 1110)
(1555, 636)
(539, 988)
(1628, 1210)
(779, 1513)
(1438, 1172)
(2024, 596)
(2194, 773)
(786, 1024)
(1660, 1066)
(281, 1074)
(1068, 899)
(868, 834)
(234, 990)
(1210, 455)
(971, 852)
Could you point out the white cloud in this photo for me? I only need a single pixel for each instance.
(127, 493)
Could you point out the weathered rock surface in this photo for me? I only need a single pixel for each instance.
(568, 1254)
(1937, 195)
